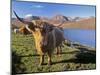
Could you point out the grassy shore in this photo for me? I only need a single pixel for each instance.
(26, 60)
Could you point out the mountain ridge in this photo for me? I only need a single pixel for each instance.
(68, 22)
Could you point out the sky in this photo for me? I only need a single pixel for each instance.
(51, 9)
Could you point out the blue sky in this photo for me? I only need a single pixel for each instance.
(51, 9)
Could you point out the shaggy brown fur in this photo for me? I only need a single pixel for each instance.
(49, 48)
(47, 37)
(54, 38)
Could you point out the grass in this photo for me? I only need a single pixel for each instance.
(26, 60)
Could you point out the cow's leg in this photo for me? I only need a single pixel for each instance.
(60, 50)
(57, 50)
(49, 59)
(41, 59)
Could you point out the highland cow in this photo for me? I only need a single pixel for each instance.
(46, 36)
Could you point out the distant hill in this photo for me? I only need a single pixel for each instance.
(88, 23)
(77, 19)
(76, 23)
(60, 18)
(16, 23)
(35, 17)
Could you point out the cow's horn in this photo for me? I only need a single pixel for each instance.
(21, 20)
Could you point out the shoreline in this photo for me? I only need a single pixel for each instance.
(79, 28)
(75, 44)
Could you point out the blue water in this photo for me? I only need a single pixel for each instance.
(85, 37)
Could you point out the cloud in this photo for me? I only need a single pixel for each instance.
(38, 6)
(28, 15)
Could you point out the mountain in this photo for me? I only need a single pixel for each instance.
(86, 23)
(77, 19)
(30, 17)
(16, 23)
(68, 22)
(60, 18)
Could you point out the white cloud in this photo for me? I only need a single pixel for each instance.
(28, 15)
(38, 6)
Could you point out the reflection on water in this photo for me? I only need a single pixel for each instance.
(86, 37)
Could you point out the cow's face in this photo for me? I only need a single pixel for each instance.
(40, 30)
